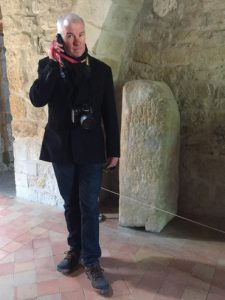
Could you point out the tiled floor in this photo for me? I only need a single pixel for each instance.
(185, 261)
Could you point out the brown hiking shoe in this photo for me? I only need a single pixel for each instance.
(69, 263)
(98, 281)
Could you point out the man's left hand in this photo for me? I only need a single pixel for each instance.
(112, 162)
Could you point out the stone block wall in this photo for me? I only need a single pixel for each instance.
(183, 44)
(177, 41)
(29, 27)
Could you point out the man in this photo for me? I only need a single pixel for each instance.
(80, 137)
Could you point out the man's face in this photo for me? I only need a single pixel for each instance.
(74, 39)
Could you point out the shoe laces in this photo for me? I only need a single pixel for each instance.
(69, 255)
(95, 272)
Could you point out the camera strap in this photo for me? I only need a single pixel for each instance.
(79, 93)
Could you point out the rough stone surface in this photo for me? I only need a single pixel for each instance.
(29, 27)
(35, 180)
(179, 42)
(185, 49)
(149, 155)
(163, 7)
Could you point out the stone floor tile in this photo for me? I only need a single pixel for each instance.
(37, 231)
(120, 288)
(24, 238)
(178, 276)
(57, 227)
(138, 264)
(79, 295)
(24, 254)
(52, 297)
(12, 246)
(6, 269)
(203, 272)
(23, 278)
(217, 291)
(7, 292)
(47, 288)
(27, 291)
(41, 243)
(171, 290)
(68, 284)
(5, 212)
(24, 266)
(56, 237)
(47, 225)
(58, 248)
(212, 296)
(8, 258)
(46, 275)
(4, 240)
(196, 283)
(143, 294)
(45, 263)
(6, 280)
(194, 294)
(43, 252)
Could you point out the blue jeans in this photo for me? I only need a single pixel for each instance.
(79, 186)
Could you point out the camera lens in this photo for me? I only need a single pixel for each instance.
(87, 122)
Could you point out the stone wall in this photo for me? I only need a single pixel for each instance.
(29, 27)
(6, 151)
(180, 42)
(183, 43)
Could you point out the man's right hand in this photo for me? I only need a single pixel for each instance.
(54, 51)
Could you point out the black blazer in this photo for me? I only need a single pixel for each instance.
(62, 142)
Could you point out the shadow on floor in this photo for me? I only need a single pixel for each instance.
(7, 183)
(176, 228)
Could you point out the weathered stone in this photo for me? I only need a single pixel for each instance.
(18, 108)
(21, 149)
(201, 204)
(34, 147)
(14, 71)
(149, 155)
(26, 167)
(176, 56)
(21, 180)
(40, 7)
(163, 7)
(24, 128)
(92, 11)
(120, 19)
(209, 5)
(147, 57)
(180, 43)
(92, 34)
(111, 45)
(50, 199)
(36, 115)
(134, 4)
(26, 194)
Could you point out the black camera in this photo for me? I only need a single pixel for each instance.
(84, 116)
